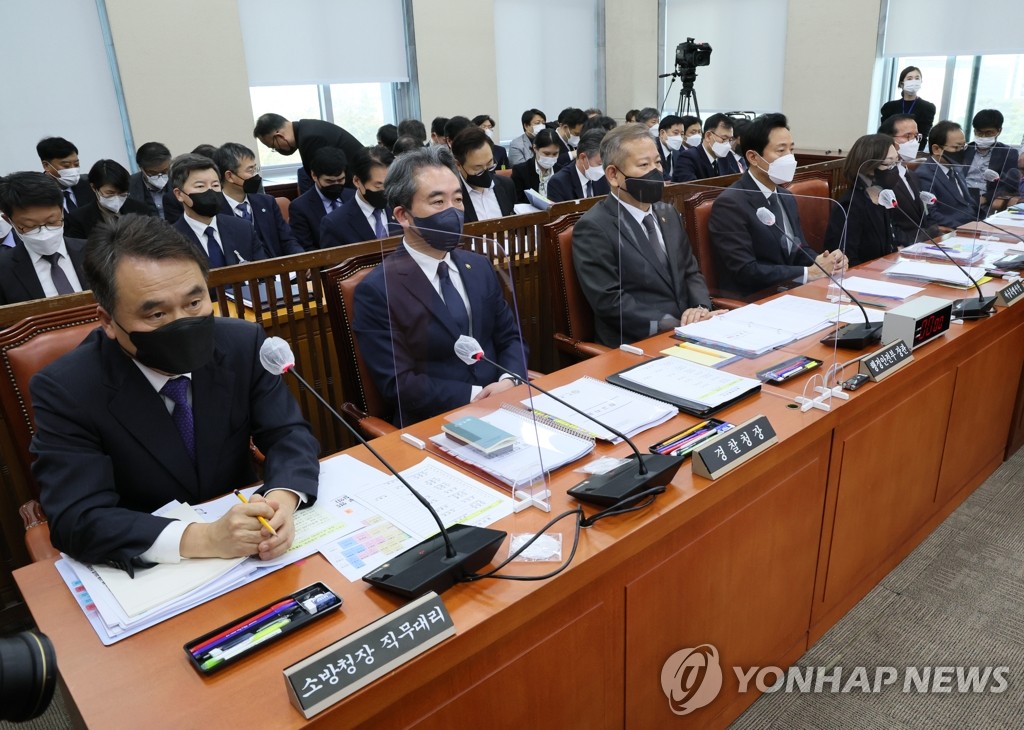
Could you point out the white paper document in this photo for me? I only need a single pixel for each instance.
(884, 289)
(1007, 220)
(690, 381)
(941, 273)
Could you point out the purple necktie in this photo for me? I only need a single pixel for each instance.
(379, 230)
(177, 390)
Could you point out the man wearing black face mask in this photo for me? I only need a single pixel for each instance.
(411, 309)
(943, 175)
(241, 184)
(225, 239)
(630, 251)
(366, 216)
(484, 194)
(159, 404)
(328, 194)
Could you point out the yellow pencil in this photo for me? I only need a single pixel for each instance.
(262, 520)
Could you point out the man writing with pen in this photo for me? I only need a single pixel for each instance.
(159, 404)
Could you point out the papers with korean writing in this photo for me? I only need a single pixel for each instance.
(690, 382)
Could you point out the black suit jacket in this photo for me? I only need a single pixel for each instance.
(314, 134)
(235, 235)
(632, 296)
(954, 207)
(870, 233)
(565, 185)
(525, 177)
(500, 155)
(270, 226)
(140, 193)
(749, 255)
(563, 153)
(108, 452)
(348, 225)
(908, 198)
(80, 222)
(693, 164)
(666, 155)
(18, 279)
(305, 214)
(81, 190)
(173, 209)
(406, 335)
(504, 191)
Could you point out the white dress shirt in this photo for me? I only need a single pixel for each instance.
(236, 206)
(200, 231)
(485, 202)
(368, 210)
(42, 267)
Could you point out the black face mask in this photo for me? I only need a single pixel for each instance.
(332, 192)
(886, 178)
(183, 346)
(376, 198)
(481, 179)
(953, 158)
(252, 185)
(206, 203)
(442, 230)
(646, 188)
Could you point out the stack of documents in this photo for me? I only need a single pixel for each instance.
(1008, 219)
(541, 447)
(939, 273)
(758, 328)
(964, 251)
(363, 516)
(696, 389)
(628, 412)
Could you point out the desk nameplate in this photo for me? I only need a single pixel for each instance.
(1010, 295)
(740, 444)
(886, 360)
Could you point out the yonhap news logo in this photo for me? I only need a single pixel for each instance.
(692, 678)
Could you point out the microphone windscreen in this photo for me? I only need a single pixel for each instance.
(467, 349)
(766, 216)
(887, 198)
(927, 198)
(276, 355)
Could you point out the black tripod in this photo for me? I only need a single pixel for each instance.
(687, 95)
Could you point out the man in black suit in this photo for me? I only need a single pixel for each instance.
(240, 180)
(750, 256)
(411, 309)
(585, 177)
(630, 251)
(108, 181)
(305, 136)
(986, 153)
(903, 129)
(943, 175)
(712, 157)
(367, 215)
(328, 194)
(484, 194)
(159, 404)
(224, 239)
(668, 138)
(148, 184)
(570, 127)
(42, 263)
(60, 161)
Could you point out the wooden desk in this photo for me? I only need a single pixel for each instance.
(758, 563)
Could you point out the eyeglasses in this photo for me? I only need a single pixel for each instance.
(39, 229)
(722, 138)
(908, 137)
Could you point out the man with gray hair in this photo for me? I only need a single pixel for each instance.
(585, 177)
(630, 251)
(411, 309)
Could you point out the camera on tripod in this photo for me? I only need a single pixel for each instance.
(690, 55)
(28, 675)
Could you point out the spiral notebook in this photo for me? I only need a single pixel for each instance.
(540, 447)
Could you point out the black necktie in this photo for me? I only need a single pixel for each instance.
(775, 202)
(714, 168)
(60, 279)
(69, 202)
(177, 390)
(213, 249)
(452, 299)
(652, 237)
(590, 189)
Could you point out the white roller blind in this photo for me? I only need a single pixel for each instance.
(947, 28)
(323, 41)
(546, 56)
(748, 58)
(56, 85)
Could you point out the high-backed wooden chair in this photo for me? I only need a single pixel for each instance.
(26, 348)
(283, 205)
(573, 317)
(815, 206)
(696, 215)
(365, 407)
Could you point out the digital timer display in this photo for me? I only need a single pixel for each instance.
(932, 325)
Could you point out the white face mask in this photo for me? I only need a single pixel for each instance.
(69, 177)
(674, 142)
(538, 128)
(113, 203)
(721, 149)
(594, 173)
(44, 242)
(781, 170)
(574, 140)
(654, 131)
(908, 150)
(546, 163)
(156, 182)
(5, 228)
(490, 134)
(984, 142)
(693, 140)
(913, 85)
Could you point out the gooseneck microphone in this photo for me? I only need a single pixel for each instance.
(437, 563)
(639, 474)
(851, 336)
(967, 308)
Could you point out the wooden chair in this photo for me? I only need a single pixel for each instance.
(284, 204)
(25, 348)
(815, 206)
(573, 317)
(340, 282)
(696, 215)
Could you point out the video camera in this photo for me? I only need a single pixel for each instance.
(690, 55)
(28, 675)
